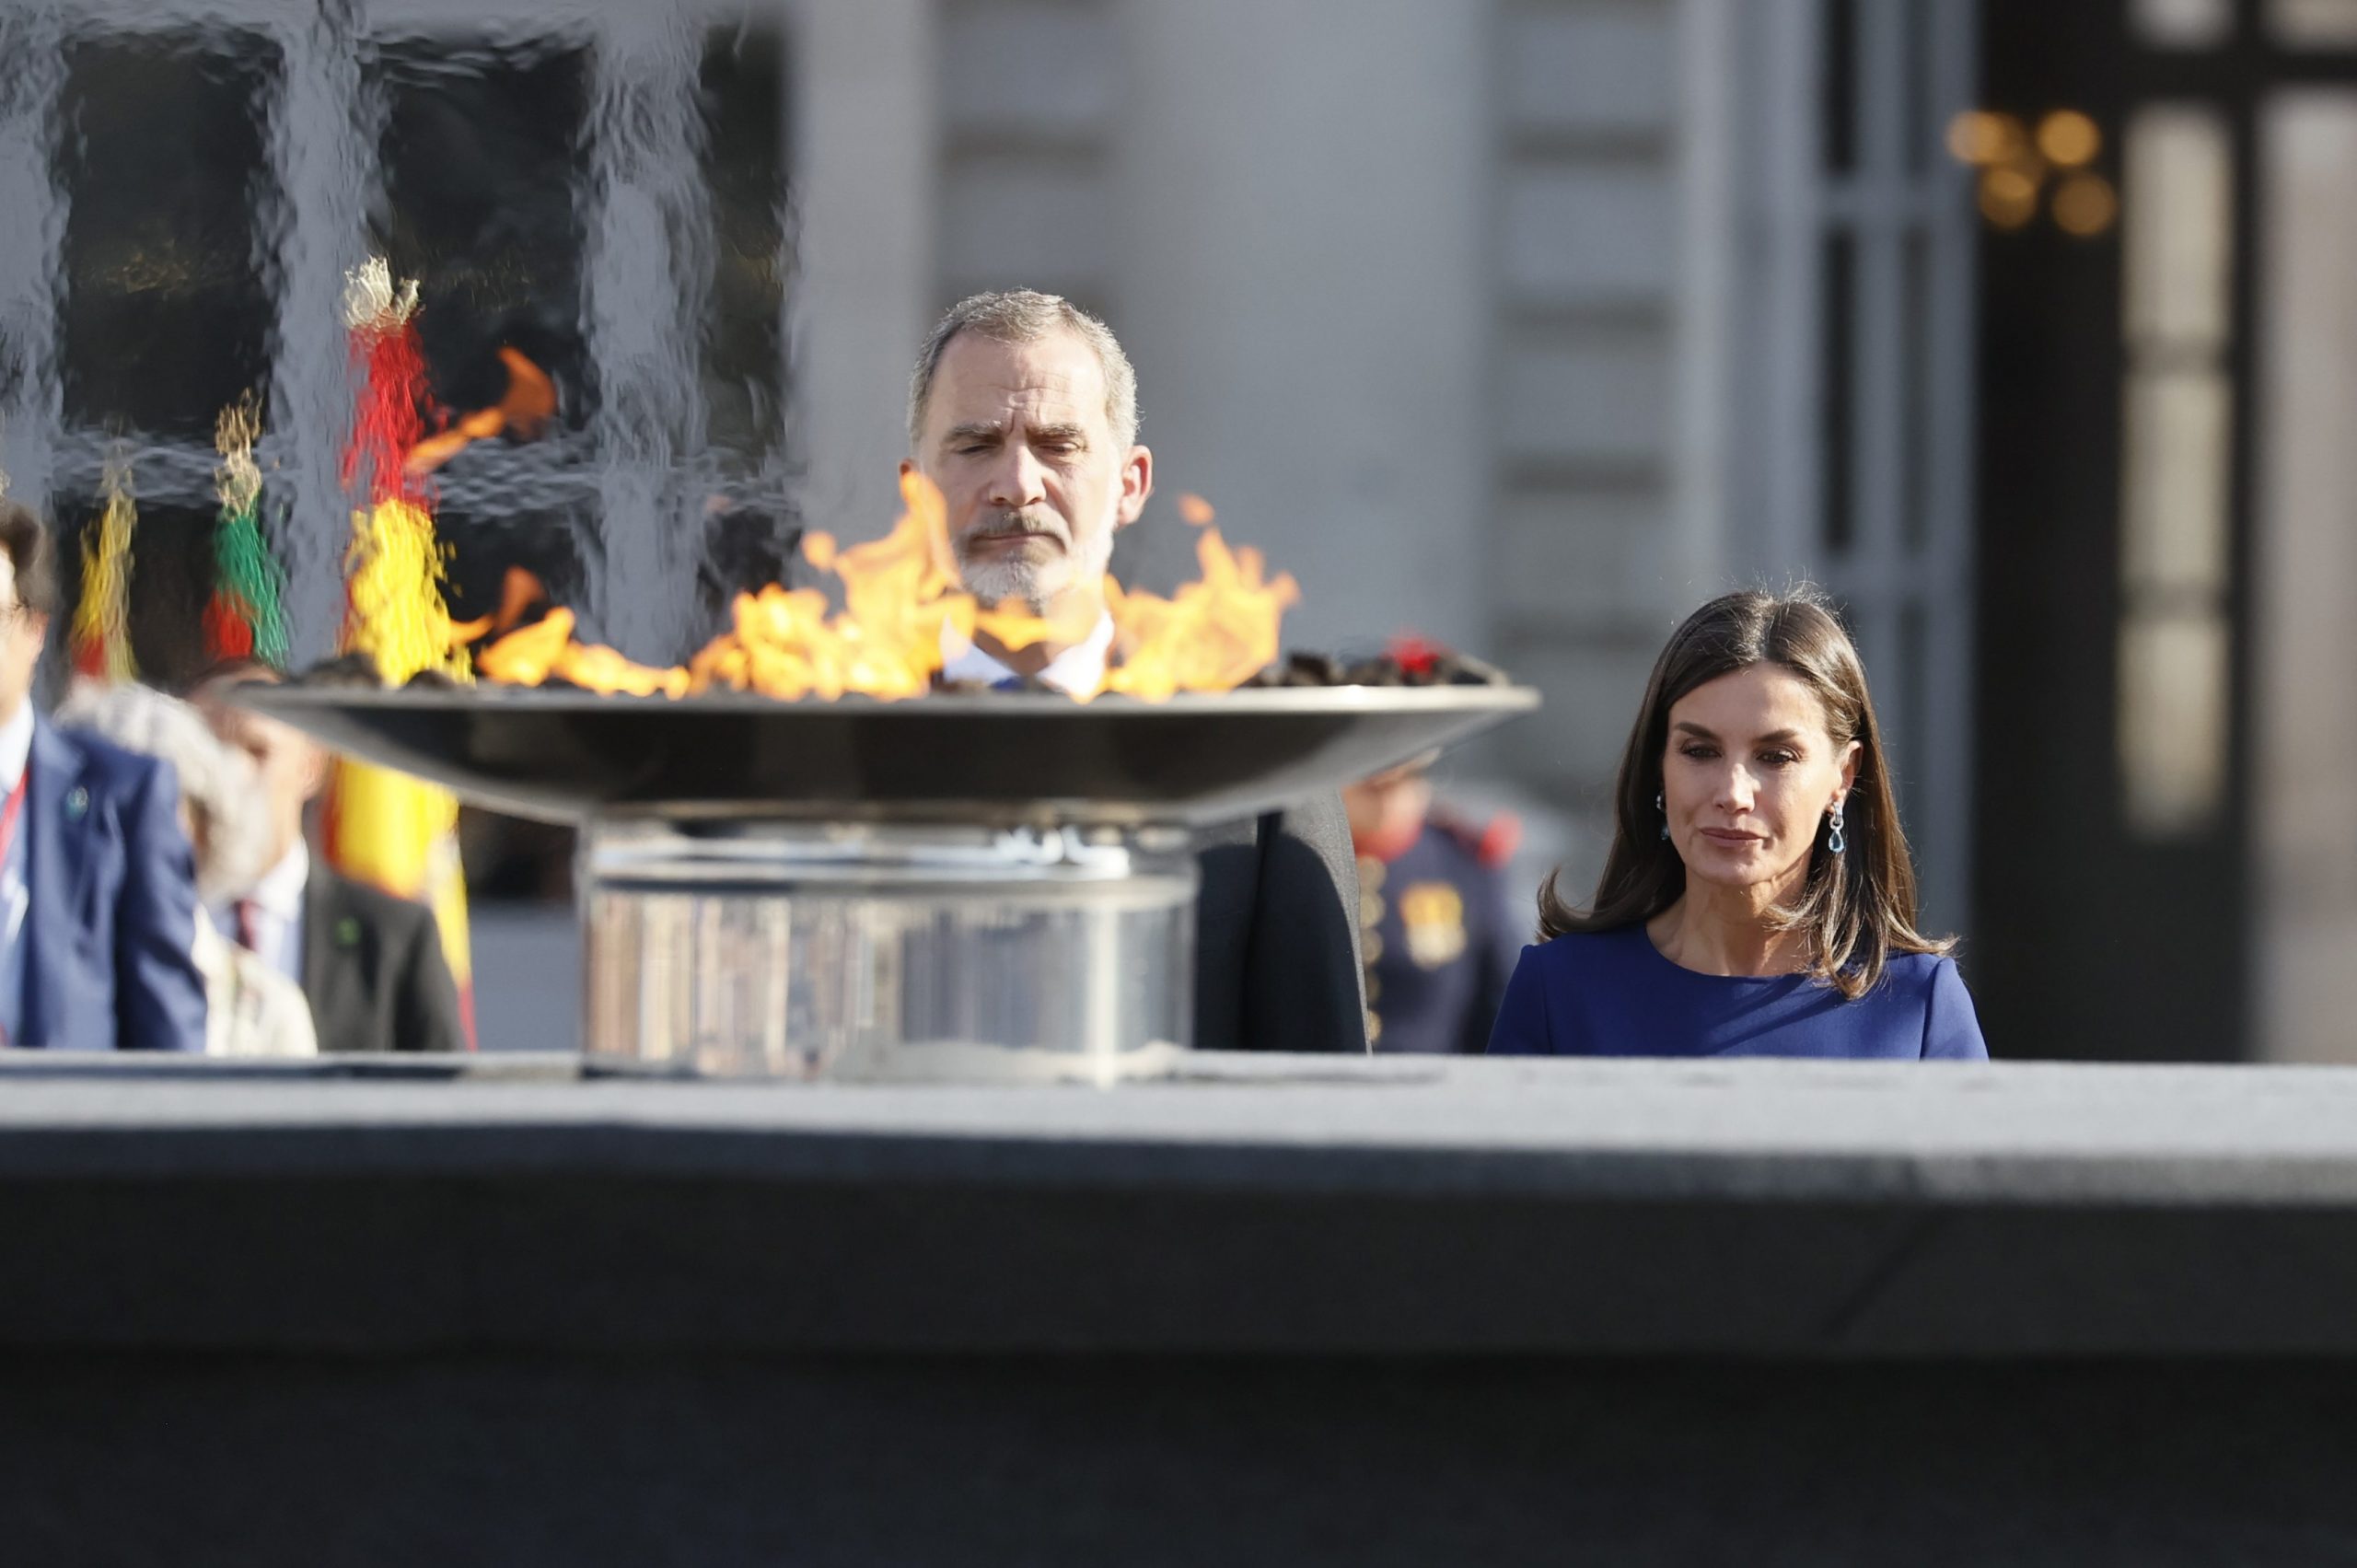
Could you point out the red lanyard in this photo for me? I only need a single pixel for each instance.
(11, 811)
(8, 815)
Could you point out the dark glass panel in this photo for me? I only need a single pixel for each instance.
(167, 320)
(744, 168)
(482, 166)
(1841, 88)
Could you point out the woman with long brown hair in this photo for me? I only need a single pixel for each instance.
(1757, 899)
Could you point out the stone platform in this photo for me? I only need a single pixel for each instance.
(1280, 1310)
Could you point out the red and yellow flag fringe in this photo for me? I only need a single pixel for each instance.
(381, 827)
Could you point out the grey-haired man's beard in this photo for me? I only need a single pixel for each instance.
(998, 579)
(1001, 582)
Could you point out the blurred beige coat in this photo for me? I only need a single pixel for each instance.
(249, 1008)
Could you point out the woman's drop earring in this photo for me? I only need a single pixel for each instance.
(1664, 814)
(1834, 840)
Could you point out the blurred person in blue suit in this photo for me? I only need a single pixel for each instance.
(250, 1008)
(98, 882)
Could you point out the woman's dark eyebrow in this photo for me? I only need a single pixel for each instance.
(1773, 738)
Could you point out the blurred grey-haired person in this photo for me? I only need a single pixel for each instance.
(250, 1009)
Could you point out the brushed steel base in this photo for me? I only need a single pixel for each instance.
(866, 951)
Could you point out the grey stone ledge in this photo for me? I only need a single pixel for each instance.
(2038, 1134)
(1274, 1205)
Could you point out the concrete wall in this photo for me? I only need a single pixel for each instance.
(1294, 1311)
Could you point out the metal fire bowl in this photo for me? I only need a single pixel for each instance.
(998, 756)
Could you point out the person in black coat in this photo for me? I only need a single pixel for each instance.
(1022, 411)
(374, 969)
(1277, 964)
(371, 964)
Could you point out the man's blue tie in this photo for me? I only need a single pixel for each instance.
(1009, 683)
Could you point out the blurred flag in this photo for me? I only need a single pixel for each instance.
(381, 827)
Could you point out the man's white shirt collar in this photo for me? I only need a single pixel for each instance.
(280, 891)
(16, 745)
(1079, 668)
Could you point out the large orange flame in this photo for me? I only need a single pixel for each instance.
(1214, 634)
(901, 603)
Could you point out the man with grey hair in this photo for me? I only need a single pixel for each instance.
(1023, 411)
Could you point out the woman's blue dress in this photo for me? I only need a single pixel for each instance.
(1613, 993)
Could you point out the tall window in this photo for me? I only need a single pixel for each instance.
(2175, 467)
(1856, 402)
(601, 198)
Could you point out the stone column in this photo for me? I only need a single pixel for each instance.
(323, 133)
(647, 274)
(864, 194)
(1303, 205)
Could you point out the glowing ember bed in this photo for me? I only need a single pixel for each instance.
(988, 884)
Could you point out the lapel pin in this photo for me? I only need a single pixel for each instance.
(347, 933)
(77, 802)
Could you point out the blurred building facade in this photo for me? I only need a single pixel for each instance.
(1525, 324)
(2168, 751)
(1528, 324)
(1532, 323)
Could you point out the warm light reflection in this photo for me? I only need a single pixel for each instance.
(2069, 139)
(1981, 137)
(2016, 166)
(2085, 206)
(2008, 197)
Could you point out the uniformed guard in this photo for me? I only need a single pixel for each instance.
(1434, 915)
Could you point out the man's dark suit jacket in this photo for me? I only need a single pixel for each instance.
(374, 970)
(110, 922)
(1277, 963)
